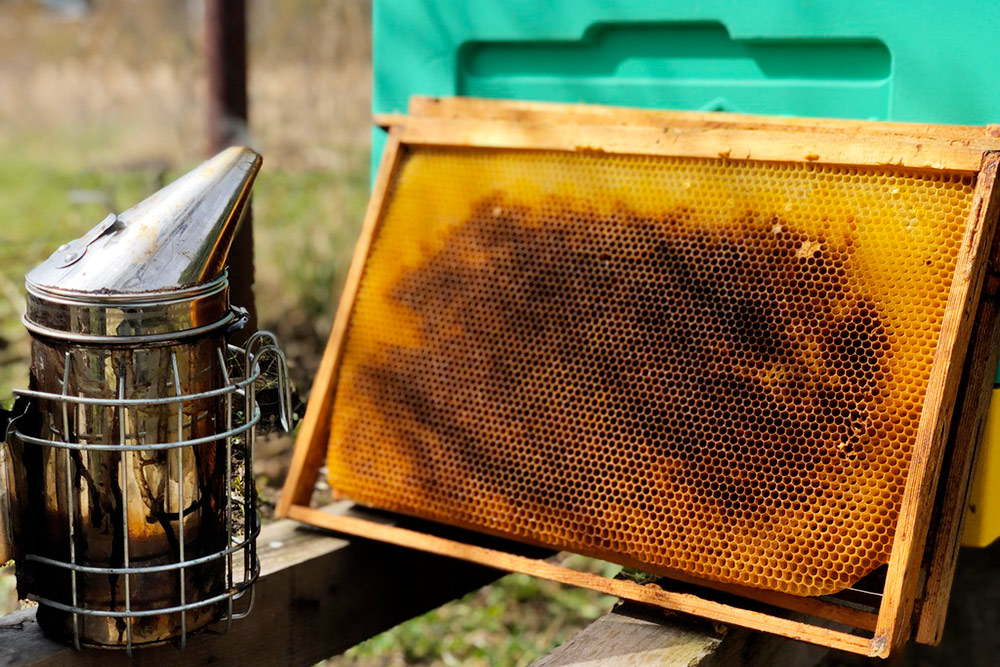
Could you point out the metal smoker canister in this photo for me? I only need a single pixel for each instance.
(134, 518)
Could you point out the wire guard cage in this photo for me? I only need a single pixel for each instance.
(210, 533)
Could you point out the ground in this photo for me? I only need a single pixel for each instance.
(98, 112)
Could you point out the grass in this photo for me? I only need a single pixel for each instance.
(38, 214)
(513, 622)
(306, 224)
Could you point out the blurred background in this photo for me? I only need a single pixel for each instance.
(104, 101)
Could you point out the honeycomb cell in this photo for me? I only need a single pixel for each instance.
(700, 366)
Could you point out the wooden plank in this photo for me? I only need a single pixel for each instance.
(986, 137)
(311, 441)
(619, 639)
(629, 637)
(939, 401)
(975, 610)
(317, 596)
(973, 406)
(767, 144)
(649, 594)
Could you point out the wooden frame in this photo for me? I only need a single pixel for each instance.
(976, 385)
(516, 125)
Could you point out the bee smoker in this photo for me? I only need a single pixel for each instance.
(130, 474)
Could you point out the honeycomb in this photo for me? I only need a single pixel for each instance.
(700, 366)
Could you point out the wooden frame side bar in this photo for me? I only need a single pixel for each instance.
(939, 401)
(310, 443)
(967, 432)
(649, 594)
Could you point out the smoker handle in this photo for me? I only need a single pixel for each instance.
(240, 320)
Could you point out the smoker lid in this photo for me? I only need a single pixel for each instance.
(177, 238)
(153, 272)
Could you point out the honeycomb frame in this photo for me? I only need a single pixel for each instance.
(823, 154)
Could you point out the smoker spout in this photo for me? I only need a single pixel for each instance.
(176, 238)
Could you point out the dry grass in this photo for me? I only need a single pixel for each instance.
(127, 84)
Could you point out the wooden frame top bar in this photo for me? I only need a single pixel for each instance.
(985, 137)
(543, 125)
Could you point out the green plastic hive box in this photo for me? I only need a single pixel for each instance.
(913, 61)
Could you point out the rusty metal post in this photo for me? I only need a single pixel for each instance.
(226, 54)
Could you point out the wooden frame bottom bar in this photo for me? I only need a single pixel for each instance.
(648, 594)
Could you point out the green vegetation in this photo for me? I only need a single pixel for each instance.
(306, 223)
(513, 622)
(38, 213)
